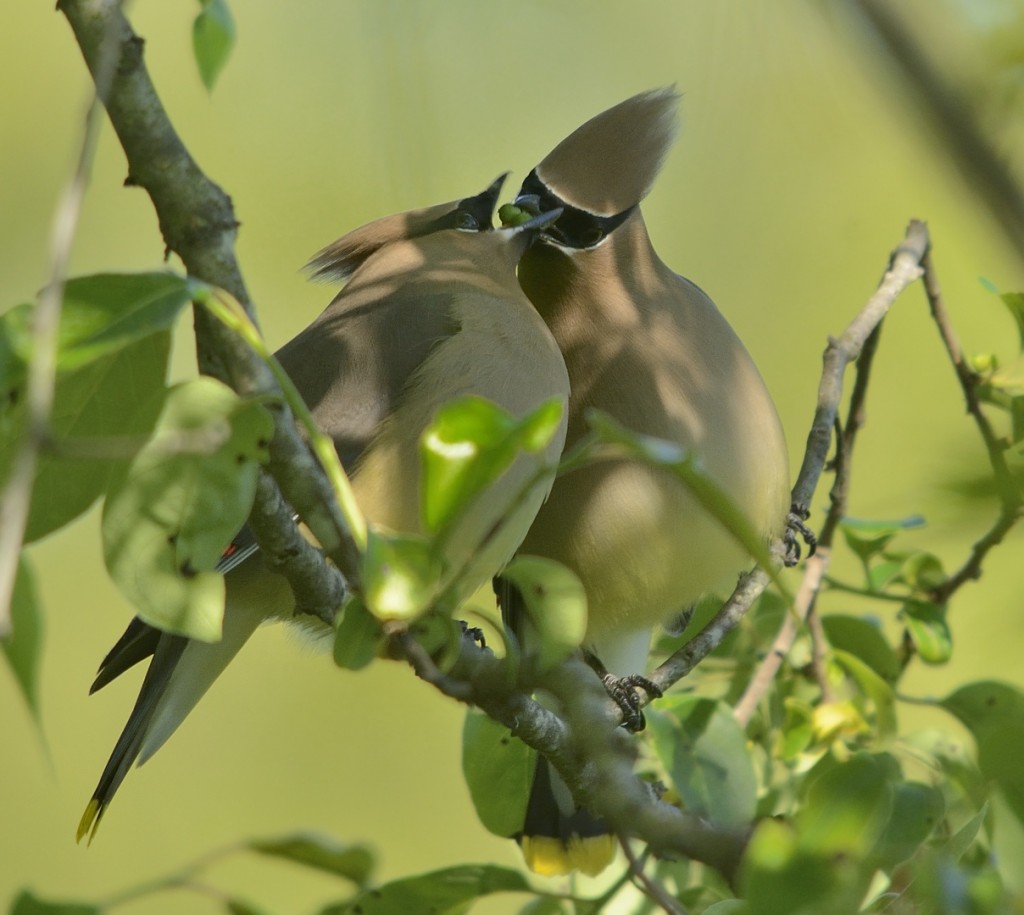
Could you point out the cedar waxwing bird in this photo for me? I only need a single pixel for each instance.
(432, 311)
(651, 349)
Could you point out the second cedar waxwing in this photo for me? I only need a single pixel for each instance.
(650, 348)
(432, 312)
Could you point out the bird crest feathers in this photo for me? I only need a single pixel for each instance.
(609, 163)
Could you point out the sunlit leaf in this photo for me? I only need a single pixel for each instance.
(353, 862)
(23, 646)
(704, 750)
(555, 603)
(213, 37)
(499, 771)
(400, 575)
(167, 520)
(468, 446)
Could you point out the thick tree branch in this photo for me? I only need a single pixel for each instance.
(198, 224)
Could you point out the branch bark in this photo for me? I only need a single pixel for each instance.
(198, 225)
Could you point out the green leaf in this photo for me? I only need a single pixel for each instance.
(875, 688)
(104, 313)
(353, 862)
(917, 809)
(470, 443)
(23, 646)
(236, 906)
(686, 467)
(868, 538)
(1014, 302)
(994, 714)
(28, 904)
(213, 37)
(864, 639)
(556, 604)
(358, 639)
(961, 841)
(167, 520)
(848, 807)
(110, 404)
(499, 772)
(544, 905)
(401, 575)
(439, 892)
(728, 907)
(929, 631)
(922, 570)
(704, 750)
(779, 877)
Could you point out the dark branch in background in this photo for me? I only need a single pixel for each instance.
(1009, 495)
(904, 268)
(198, 224)
(949, 114)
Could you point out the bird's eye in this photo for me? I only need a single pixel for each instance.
(591, 237)
(466, 221)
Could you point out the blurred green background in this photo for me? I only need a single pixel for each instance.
(800, 160)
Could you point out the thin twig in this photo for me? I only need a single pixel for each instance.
(1010, 501)
(42, 368)
(650, 887)
(904, 268)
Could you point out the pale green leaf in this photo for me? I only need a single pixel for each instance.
(213, 37)
(704, 750)
(184, 496)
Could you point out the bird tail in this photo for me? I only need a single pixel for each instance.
(558, 838)
(180, 672)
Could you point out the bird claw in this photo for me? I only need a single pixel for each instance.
(796, 530)
(623, 692)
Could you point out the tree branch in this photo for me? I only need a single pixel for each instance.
(198, 224)
(1010, 501)
(858, 340)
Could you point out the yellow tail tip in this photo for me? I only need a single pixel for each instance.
(551, 857)
(90, 821)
